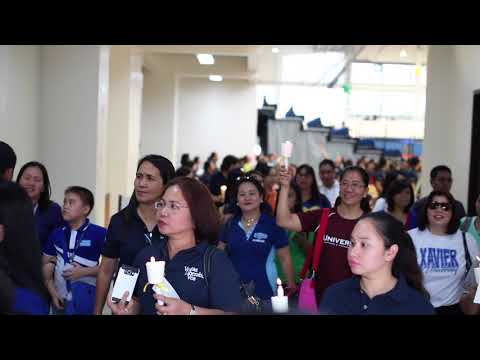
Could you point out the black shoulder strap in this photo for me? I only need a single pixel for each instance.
(467, 254)
(207, 262)
(466, 224)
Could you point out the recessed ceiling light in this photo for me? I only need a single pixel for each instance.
(403, 53)
(275, 50)
(216, 78)
(205, 59)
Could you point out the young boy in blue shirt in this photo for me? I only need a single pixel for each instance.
(71, 256)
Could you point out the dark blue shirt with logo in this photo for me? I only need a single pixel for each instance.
(185, 272)
(250, 255)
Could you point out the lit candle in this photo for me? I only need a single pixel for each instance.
(280, 302)
(280, 291)
(155, 271)
(223, 190)
(287, 151)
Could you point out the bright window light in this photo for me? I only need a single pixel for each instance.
(205, 59)
(275, 50)
(216, 78)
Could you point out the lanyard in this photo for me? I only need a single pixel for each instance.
(69, 254)
(148, 238)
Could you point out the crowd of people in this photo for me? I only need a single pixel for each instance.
(227, 232)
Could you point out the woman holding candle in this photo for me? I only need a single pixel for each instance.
(387, 279)
(187, 214)
(252, 238)
(134, 227)
(350, 206)
(444, 253)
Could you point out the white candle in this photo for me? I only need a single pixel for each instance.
(223, 190)
(477, 271)
(155, 271)
(280, 291)
(287, 147)
(280, 304)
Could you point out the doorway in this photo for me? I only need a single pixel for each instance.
(474, 178)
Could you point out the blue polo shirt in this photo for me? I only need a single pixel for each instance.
(250, 255)
(125, 238)
(185, 272)
(347, 298)
(83, 247)
(48, 220)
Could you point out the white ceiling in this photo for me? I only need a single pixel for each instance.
(262, 62)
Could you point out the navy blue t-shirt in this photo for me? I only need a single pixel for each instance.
(125, 239)
(48, 220)
(185, 272)
(250, 255)
(347, 298)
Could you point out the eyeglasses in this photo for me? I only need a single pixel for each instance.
(173, 206)
(438, 205)
(354, 185)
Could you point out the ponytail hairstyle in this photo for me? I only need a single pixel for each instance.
(405, 263)
(365, 203)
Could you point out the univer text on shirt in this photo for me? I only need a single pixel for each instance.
(332, 240)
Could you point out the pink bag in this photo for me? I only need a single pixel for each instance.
(307, 297)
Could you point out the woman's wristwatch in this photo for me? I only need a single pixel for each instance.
(193, 311)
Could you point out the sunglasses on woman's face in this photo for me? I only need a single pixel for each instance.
(438, 205)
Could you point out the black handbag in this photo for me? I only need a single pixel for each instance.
(251, 304)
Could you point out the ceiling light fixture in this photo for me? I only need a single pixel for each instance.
(216, 78)
(403, 53)
(275, 50)
(205, 59)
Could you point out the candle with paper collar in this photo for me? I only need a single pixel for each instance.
(155, 271)
(287, 147)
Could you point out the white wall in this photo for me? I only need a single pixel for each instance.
(453, 75)
(168, 98)
(19, 91)
(219, 117)
(73, 110)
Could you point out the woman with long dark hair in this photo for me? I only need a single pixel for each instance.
(349, 207)
(252, 238)
(300, 243)
(445, 254)
(400, 199)
(20, 255)
(387, 279)
(134, 227)
(33, 177)
(187, 214)
(311, 197)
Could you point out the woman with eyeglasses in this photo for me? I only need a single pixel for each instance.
(252, 238)
(446, 255)
(134, 227)
(351, 204)
(187, 214)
